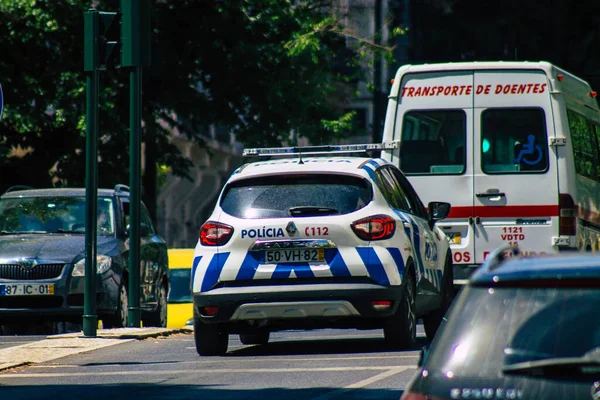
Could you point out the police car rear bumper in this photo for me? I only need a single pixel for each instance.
(351, 300)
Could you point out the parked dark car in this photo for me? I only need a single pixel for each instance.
(523, 328)
(42, 258)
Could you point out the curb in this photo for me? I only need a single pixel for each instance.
(58, 346)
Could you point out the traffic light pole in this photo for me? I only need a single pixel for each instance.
(100, 47)
(135, 38)
(135, 89)
(91, 28)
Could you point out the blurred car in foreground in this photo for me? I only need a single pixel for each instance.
(523, 328)
(42, 258)
(181, 310)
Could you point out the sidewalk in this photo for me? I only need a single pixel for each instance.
(57, 346)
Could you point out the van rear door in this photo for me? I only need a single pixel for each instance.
(516, 177)
(434, 118)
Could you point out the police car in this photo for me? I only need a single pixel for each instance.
(319, 238)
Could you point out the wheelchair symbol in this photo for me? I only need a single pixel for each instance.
(528, 149)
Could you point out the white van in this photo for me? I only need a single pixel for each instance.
(513, 146)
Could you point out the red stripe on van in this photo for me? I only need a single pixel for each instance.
(504, 211)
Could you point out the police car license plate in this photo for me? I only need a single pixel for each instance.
(27, 289)
(294, 255)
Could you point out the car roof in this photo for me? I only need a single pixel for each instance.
(556, 267)
(359, 166)
(52, 192)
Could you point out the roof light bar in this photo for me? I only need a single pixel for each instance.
(308, 150)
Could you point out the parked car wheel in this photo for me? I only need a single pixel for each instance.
(258, 337)
(159, 316)
(210, 339)
(400, 330)
(120, 318)
(432, 321)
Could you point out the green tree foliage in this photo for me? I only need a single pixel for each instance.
(260, 67)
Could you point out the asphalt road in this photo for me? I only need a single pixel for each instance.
(7, 341)
(317, 365)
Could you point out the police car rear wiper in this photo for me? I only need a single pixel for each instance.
(587, 364)
(65, 231)
(311, 210)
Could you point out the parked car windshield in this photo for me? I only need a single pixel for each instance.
(280, 196)
(489, 328)
(53, 214)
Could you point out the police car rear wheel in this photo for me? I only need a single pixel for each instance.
(210, 339)
(260, 337)
(400, 330)
(432, 321)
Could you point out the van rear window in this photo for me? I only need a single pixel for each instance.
(514, 141)
(433, 142)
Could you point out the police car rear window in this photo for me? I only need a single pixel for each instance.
(296, 195)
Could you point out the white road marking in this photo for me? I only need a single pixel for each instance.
(363, 383)
(400, 368)
(271, 359)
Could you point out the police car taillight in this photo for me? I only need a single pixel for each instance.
(567, 211)
(381, 304)
(376, 227)
(215, 234)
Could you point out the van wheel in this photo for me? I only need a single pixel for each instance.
(120, 318)
(259, 337)
(400, 330)
(433, 320)
(210, 339)
(159, 316)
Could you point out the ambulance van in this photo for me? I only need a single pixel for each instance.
(513, 146)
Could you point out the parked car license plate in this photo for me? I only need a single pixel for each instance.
(294, 255)
(27, 289)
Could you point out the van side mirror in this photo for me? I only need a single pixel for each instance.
(437, 210)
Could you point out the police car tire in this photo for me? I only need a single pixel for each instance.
(432, 321)
(400, 330)
(259, 337)
(210, 339)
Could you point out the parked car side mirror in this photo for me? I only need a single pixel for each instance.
(144, 229)
(423, 355)
(437, 210)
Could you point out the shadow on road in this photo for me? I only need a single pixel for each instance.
(321, 346)
(166, 391)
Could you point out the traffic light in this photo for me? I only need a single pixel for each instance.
(102, 40)
(135, 33)
(109, 41)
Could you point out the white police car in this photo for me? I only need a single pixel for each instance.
(331, 241)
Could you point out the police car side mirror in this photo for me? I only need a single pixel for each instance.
(437, 210)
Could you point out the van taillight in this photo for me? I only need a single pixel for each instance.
(376, 227)
(567, 211)
(215, 234)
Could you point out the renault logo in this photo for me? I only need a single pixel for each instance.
(291, 228)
